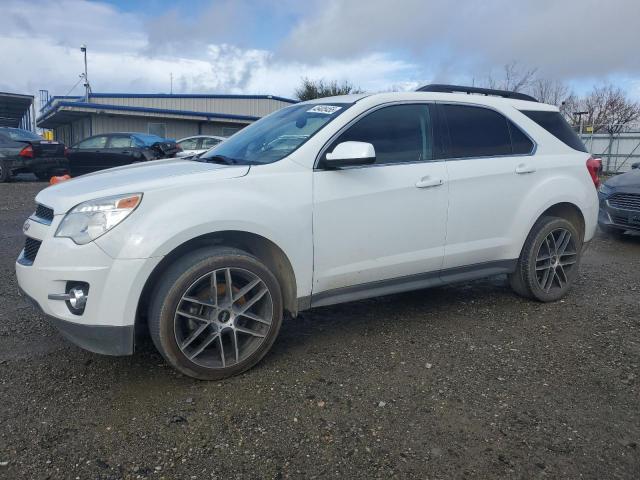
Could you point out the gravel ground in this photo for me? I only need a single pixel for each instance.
(465, 381)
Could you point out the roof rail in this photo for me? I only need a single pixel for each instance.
(437, 87)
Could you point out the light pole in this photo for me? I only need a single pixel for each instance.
(87, 87)
(580, 114)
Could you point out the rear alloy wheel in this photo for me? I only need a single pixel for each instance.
(216, 313)
(549, 261)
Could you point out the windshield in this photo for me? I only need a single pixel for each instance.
(19, 134)
(275, 136)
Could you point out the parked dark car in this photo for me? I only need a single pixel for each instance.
(620, 203)
(22, 151)
(116, 149)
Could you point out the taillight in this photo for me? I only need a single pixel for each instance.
(594, 165)
(26, 152)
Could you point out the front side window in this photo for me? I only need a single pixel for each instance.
(398, 133)
(476, 132)
(275, 136)
(93, 142)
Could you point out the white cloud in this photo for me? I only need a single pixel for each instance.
(245, 46)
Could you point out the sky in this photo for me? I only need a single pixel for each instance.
(267, 46)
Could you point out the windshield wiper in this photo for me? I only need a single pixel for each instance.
(218, 159)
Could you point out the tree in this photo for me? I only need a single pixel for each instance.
(549, 91)
(607, 109)
(513, 78)
(310, 89)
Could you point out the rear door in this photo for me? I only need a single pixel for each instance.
(376, 227)
(491, 168)
(87, 155)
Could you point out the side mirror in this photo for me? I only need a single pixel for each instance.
(350, 154)
(636, 165)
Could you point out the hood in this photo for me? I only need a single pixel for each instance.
(139, 177)
(627, 181)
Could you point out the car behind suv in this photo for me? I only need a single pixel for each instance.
(22, 151)
(322, 202)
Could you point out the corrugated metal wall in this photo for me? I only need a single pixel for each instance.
(256, 107)
(174, 128)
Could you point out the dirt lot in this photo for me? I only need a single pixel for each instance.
(466, 381)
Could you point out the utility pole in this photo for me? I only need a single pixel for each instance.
(87, 87)
(171, 83)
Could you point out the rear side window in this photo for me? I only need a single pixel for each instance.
(557, 126)
(399, 134)
(120, 142)
(521, 144)
(476, 132)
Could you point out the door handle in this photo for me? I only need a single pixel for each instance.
(428, 182)
(524, 168)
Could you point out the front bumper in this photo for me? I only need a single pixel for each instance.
(104, 339)
(115, 286)
(622, 219)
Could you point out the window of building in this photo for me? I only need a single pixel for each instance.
(159, 129)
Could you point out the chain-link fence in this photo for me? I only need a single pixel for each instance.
(618, 151)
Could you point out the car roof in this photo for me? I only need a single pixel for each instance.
(217, 137)
(469, 98)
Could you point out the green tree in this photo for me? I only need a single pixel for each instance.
(310, 89)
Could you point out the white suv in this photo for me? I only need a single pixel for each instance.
(322, 202)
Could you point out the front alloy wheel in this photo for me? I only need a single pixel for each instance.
(215, 313)
(223, 317)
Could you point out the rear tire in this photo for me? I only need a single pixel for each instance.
(549, 262)
(203, 328)
(5, 173)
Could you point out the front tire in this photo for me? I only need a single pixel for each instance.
(215, 313)
(548, 264)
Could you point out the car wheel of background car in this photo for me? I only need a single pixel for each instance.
(215, 313)
(5, 173)
(549, 261)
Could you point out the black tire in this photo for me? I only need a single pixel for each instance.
(5, 173)
(529, 278)
(179, 280)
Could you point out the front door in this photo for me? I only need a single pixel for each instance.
(383, 224)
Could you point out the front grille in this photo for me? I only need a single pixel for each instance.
(31, 247)
(625, 201)
(44, 213)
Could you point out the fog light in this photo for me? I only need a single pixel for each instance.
(75, 298)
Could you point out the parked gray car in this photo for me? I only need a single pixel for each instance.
(22, 151)
(620, 203)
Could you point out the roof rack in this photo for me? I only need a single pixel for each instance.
(437, 87)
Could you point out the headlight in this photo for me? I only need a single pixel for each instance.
(605, 190)
(89, 220)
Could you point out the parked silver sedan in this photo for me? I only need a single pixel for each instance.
(198, 144)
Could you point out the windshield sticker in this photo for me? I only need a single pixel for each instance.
(326, 109)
